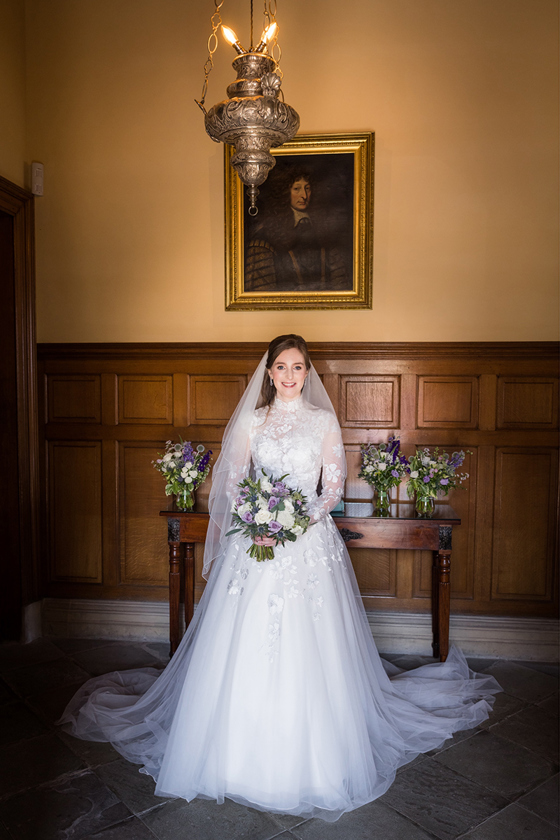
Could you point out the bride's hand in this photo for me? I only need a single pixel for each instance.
(265, 541)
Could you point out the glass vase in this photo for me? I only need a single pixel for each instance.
(184, 500)
(425, 505)
(382, 502)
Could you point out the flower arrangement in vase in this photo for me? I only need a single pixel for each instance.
(431, 473)
(184, 469)
(383, 467)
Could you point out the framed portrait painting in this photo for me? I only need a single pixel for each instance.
(310, 245)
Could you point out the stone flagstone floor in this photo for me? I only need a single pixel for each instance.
(497, 782)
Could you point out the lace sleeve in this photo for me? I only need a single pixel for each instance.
(333, 474)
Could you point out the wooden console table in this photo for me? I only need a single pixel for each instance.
(402, 529)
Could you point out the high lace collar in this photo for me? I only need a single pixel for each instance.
(288, 405)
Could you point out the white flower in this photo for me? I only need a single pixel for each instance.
(284, 517)
(297, 530)
(193, 474)
(167, 457)
(188, 465)
(266, 486)
(288, 506)
(368, 469)
(382, 467)
(414, 474)
(263, 516)
(262, 503)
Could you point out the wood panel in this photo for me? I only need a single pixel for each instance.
(446, 402)
(453, 395)
(213, 398)
(370, 402)
(527, 403)
(74, 399)
(145, 399)
(75, 506)
(143, 554)
(523, 545)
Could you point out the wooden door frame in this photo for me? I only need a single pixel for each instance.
(19, 204)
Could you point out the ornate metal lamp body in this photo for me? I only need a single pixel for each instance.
(253, 119)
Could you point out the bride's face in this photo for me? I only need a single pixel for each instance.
(288, 373)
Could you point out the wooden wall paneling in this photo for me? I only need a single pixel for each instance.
(446, 402)
(376, 571)
(408, 401)
(525, 403)
(212, 399)
(145, 399)
(369, 402)
(76, 529)
(109, 399)
(484, 523)
(180, 399)
(488, 397)
(143, 543)
(524, 513)
(73, 399)
(110, 512)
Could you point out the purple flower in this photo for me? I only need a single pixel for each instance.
(280, 488)
(247, 517)
(188, 452)
(272, 502)
(239, 501)
(204, 461)
(274, 526)
(444, 481)
(394, 473)
(426, 479)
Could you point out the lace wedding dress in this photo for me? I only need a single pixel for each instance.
(277, 697)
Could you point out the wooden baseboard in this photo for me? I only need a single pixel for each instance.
(529, 639)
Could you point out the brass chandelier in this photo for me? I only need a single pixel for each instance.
(255, 117)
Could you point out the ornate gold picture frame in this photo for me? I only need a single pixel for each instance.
(311, 244)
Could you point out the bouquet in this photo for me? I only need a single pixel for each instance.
(436, 472)
(382, 465)
(184, 469)
(268, 508)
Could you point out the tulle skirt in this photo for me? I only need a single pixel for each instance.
(277, 697)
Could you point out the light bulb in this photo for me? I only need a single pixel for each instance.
(231, 38)
(267, 35)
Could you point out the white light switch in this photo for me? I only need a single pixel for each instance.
(37, 173)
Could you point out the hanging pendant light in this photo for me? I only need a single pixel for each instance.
(253, 118)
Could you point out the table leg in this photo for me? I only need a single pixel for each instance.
(174, 595)
(435, 605)
(189, 583)
(444, 597)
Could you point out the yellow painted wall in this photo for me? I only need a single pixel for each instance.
(462, 96)
(12, 91)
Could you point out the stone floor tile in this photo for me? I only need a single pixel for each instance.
(551, 705)
(35, 679)
(479, 663)
(70, 808)
(502, 766)
(160, 650)
(92, 753)
(205, 820)
(15, 655)
(552, 668)
(523, 682)
(117, 657)
(544, 800)
(4, 834)
(34, 761)
(533, 728)
(375, 821)
(513, 823)
(414, 763)
(18, 722)
(462, 735)
(131, 829)
(50, 704)
(504, 706)
(6, 693)
(133, 788)
(71, 646)
(441, 801)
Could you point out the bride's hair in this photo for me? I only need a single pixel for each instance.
(277, 346)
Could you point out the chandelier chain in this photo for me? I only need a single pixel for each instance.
(215, 22)
(273, 49)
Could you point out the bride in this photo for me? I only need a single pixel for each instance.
(277, 697)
